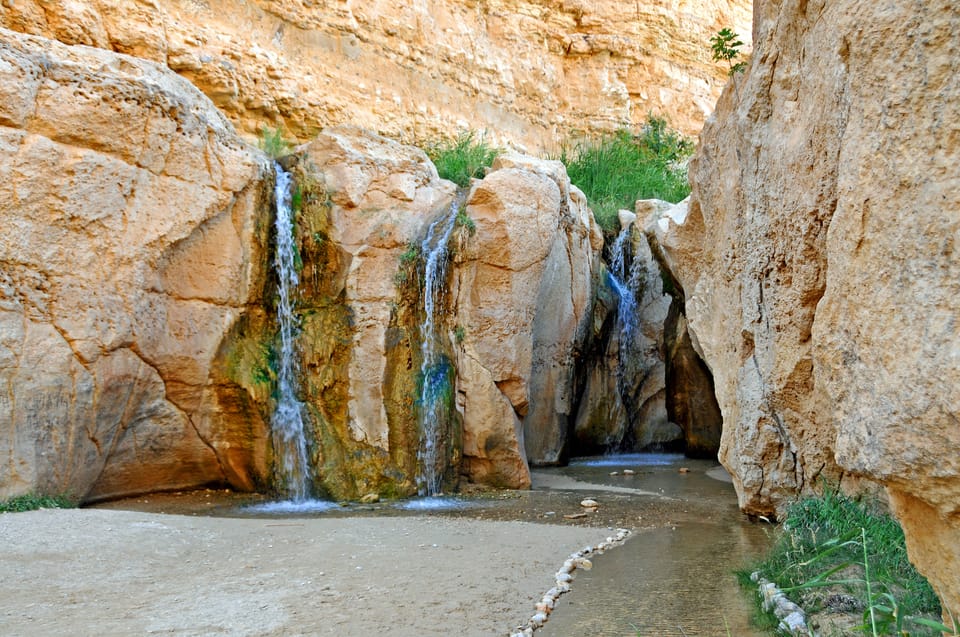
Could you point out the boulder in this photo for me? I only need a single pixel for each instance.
(524, 301)
(129, 212)
(366, 204)
(817, 258)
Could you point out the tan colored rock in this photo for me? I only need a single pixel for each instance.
(524, 295)
(817, 257)
(532, 72)
(383, 196)
(128, 213)
(623, 402)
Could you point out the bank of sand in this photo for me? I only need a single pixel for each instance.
(109, 572)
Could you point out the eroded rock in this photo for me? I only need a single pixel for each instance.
(524, 299)
(528, 71)
(129, 209)
(817, 257)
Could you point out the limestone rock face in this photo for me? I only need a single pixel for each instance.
(529, 71)
(366, 200)
(524, 301)
(623, 404)
(817, 257)
(128, 208)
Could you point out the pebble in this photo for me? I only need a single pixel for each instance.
(589, 503)
(616, 473)
(574, 516)
(684, 470)
(370, 498)
(628, 472)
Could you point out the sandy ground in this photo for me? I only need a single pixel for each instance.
(110, 572)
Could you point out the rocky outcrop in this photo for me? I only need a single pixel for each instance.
(129, 241)
(524, 299)
(817, 257)
(623, 405)
(531, 72)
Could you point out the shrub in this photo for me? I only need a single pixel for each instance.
(463, 158)
(726, 46)
(273, 143)
(33, 501)
(834, 547)
(617, 170)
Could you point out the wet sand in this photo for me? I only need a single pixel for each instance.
(197, 564)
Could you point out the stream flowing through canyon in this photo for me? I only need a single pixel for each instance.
(673, 576)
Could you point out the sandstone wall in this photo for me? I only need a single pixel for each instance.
(524, 299)
(818, 260)
(128, 249)
(530, 72)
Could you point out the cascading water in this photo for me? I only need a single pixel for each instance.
(435, 369)
(286, 423)
(626, 276)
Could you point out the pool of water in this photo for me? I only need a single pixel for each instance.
(674, 576)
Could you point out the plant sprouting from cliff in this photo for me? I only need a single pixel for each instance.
(617, 170)
(726, 47)
(273, 143)
(463, 158)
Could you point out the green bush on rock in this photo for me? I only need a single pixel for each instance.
(617, 170)
(463, 158)
(33, 501)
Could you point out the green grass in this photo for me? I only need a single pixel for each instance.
(273, 143)
(834, 546)
(462, 158)
(617, 170)
(32, 502)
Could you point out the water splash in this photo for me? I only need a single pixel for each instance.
(286, 423)
(435, 369)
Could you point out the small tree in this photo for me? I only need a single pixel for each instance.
(726, 46)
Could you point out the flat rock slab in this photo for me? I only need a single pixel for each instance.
(104, 572)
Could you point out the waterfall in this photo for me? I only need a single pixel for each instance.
(286, 423)
(625, 276)
(436, 387)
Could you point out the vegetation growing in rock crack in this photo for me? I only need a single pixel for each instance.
(836, 554)
(462, 158)
(273, 143)
(464, 221)
(617, 170)
(34, 501)
(726, 47)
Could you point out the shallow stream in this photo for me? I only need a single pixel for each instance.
(674, 576)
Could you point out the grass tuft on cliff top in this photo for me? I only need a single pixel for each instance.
(463, 158)
(617, 170)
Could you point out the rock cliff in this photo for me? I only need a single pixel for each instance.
(818, 260)
(129, 247)
(525, 294)
(531, 72)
